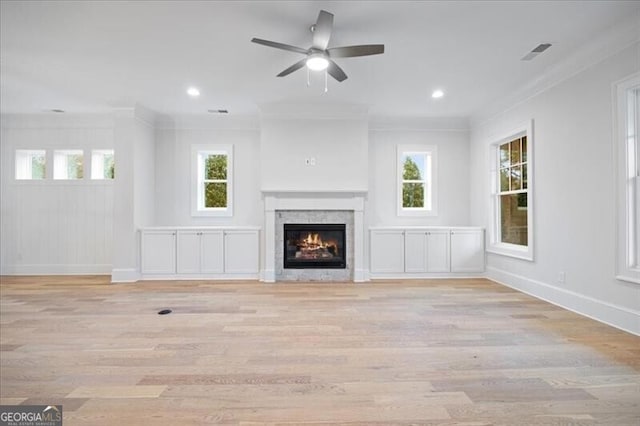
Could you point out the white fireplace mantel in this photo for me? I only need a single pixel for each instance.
(350, 200)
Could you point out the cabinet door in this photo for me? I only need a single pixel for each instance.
(188, 252)
(241, 250)
(415, 254)
(387, 251)
(212, 254)
(467, 251)
(437, 251)
(158, 252)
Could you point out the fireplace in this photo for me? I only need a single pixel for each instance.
(315, 246)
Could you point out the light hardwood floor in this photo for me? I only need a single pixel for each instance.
(444, 352)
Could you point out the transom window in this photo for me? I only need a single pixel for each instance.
(31, 164)
(416, 180)
(68, 164)
(102, 164)
(213, 181)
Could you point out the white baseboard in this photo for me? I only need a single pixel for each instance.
(202, 277)
(360, 275)
(125, 275)
(56, 269)
(269, 276)
(424, 276)
(608, 313)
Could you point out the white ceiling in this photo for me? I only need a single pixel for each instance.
(93, 56)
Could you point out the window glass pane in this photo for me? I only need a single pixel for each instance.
(524, 176)
(109, 166)
(504, 155)
(524, 149)
(516, 178)
(504, 180)
(68, 164)
(513, 219)
(30, 164)
(515, 151)
(216, 167)
(74, 166)
(413, 167)
(215, 194)
(413, 195)
(102, 164)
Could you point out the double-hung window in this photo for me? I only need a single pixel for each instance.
(627, 143)
(512, 201)
(212, 191)
(416, 166)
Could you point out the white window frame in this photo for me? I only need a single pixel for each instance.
(430, 180)
(197, 180)
(495, 244)
(25, 166)
(627, 180)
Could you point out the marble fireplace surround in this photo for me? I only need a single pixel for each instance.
(277, 203)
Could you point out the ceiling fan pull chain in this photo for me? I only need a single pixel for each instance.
(326, 88)
(308, 80)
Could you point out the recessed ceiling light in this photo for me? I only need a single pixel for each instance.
(193, 92)
(437, 94)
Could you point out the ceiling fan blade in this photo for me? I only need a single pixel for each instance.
(336, 72)
(322, 30)
(352, 51)
(294, 67)
(280, 45)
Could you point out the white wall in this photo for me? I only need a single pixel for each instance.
(55, 227)
(574, 214)
(339, 147)
(452, 142)
(173, 170)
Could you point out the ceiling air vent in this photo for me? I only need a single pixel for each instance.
(218, 111)
(535, 52)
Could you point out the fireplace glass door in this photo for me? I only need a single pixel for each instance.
(316, 246)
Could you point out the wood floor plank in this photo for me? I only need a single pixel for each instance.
(444, 352)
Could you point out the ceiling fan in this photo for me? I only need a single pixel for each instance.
(318, 57)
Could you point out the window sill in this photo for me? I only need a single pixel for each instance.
(213, 213)
(626, 278)
(510, 251)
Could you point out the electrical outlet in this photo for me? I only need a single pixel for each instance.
(313, 161)
(561, 277)
(307, 161)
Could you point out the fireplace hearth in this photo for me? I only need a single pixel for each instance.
(314, 246)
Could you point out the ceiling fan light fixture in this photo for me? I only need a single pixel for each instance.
(317, 62)
(193, 92)
(437, 94)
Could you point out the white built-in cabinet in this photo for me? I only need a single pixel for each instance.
(208, 252)
(426, 251)
(387, 250)
(158, 249)
(200, 252)
(467, 250)
(422, 251)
